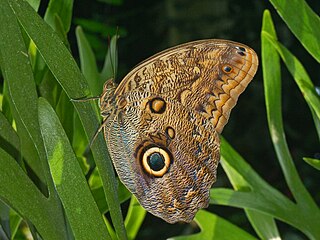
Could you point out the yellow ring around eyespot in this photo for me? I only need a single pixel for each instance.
(146, 166)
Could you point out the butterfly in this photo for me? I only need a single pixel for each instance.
(162, 122)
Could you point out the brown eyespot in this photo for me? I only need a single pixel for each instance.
(156, 161)
(157, 105)
(170, 132)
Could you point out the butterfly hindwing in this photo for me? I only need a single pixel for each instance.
(153, 128)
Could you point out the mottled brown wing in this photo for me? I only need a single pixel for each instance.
(207, 76)
(185, 142)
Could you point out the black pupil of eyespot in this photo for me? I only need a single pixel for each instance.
(227, 68)
(156, 161)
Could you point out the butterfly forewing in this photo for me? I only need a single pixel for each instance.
(207, 76)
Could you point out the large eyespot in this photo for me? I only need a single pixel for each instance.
(157, 105)
(156, 161)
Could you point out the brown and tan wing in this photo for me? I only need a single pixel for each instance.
(207, 76)
(165, 154)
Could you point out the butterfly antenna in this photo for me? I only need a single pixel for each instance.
(104, 123)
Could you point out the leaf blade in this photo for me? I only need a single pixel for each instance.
(69, 180)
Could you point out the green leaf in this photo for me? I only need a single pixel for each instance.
(215, 227)
(62, 9)
(22, 94)
(21, 83)
(134, 218)
(111, 61)
(65, 70)
(88, 63)
(69, 180)
(245, 179)
(316, 121)
(261, 197)
(15, 221)
(79, 140)
(302, 21)
(313, 162)
(34, 3)
(23, 195)
(64, 110)
(21, 90)
(9, 138)
(299, 74)
(98, 193)
(264, 225)
(5, 220)
(5, 107)
(272, 86)
(241, 179)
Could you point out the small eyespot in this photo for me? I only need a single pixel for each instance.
(241, 49)
(170, 132)
(241, 53)
(157, 105)
(156, 161)
(227, 69)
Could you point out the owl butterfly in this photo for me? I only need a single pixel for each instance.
(162, 123)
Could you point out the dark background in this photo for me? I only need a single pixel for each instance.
(147, 27)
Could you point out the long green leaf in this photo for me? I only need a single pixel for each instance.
(5, 231)
(69, 180)
(21, 89)
(18, 191)
(298, 72)
(302, 21)
(215, 227)
(313, 162)
(9, 138)
(65, 70)
(263, 224)
(134, 218)
(34, 3)
(272, 86)
(15, 221)
(18, 75)
(98, 193)
(260, 196)
(62, 9)
(110, 65)
(88, 62)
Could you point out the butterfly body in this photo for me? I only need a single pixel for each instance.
(162, 123)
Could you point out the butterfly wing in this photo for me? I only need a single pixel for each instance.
(165, 154)
(206, 76)
(162, 123)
